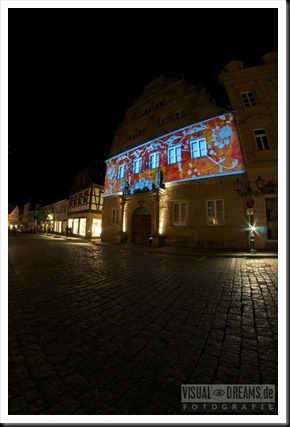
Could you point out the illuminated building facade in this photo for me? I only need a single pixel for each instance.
(85, 206)
(60, 216)
(13, 216)
(170, 171)
(174, 158)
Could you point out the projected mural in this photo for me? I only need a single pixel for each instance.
(206, 149)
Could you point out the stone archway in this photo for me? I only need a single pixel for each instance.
(141, 226)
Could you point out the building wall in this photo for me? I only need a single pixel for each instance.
(253, 94)
(196, 232)
(13, 218)
(85, 207)
(60, 216)
(179, 210)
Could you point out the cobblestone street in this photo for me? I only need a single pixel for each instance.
(101, 330)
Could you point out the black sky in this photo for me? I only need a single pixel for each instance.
(72, 73)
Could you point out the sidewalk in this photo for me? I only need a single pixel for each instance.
(196, 252)
(172, 250)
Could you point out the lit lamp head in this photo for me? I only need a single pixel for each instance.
(260, 184)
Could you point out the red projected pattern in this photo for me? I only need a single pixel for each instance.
(206, 149)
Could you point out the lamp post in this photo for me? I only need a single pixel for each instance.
(247, 190)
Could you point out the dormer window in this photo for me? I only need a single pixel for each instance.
(158, 104)
(165, 120)
(178, 114)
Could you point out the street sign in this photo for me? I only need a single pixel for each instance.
(250, 211)
(250, 203)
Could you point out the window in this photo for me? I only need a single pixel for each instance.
(115, 216)
(174, 154)
(121, 172)
(180, 213)
(86, 196)
(158, 104)
(272, 217)
(141, 131)
(262, 140)
(101, 201)
(136, 166)
(76, 200)
(248, 99)
(83, 223)
(80, 198)
(215, 212)
(178, 114)
(198, 148)
(154, 160)
(165, 120)
(147, 110)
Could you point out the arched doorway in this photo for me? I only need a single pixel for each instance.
(141, 226)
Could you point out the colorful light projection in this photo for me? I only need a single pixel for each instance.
(220, 154)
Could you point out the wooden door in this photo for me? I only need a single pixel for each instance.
(141, 229)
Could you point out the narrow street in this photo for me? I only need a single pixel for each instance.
(100, 330)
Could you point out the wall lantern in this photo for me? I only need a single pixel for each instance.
(247, 189)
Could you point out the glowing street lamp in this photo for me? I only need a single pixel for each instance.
(247, 190)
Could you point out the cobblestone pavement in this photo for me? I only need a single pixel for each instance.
(100, 330)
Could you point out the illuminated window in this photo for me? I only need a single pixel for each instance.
(101, 201)
(174, 154)
(154, 160)
(115, 216)
(262, 140)
(121, 171)
(136, 166)
(97, 227)
(180, 213)
(248, 99)
(82, 230)
(198, 148)
(215, 212)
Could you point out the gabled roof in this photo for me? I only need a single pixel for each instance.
(11, 208)
(84, 179)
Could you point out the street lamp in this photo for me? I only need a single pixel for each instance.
(247, 190)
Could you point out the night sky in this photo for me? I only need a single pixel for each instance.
(72, 73)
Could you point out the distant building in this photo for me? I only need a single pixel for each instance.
(60, 216)
(13, 216)
(85, 206)
(174, 159)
